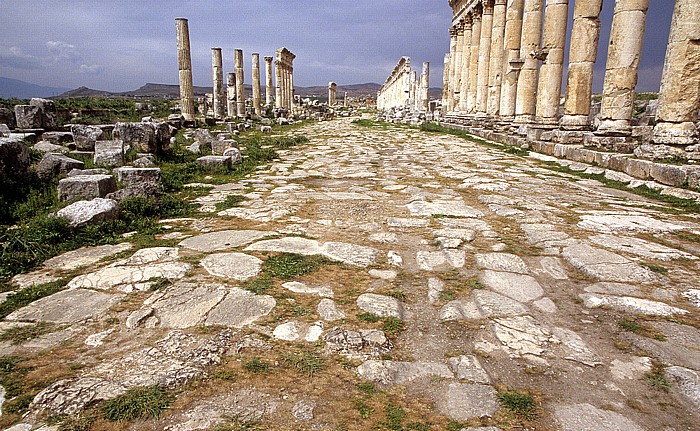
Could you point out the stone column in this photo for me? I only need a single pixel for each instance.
(556, 16)
(474, 58)
(679, 98)
(291, 86)
(624, 50)
(332, 88)
(414, 89)
(493, 103)
(526, 100)
(482, 88)
(240, 89)
(453, 67)
(257, 99)
(268, 81)
(466, 64)
(231, 94)
(278, 81)
(425, 87)
(457, 77)
(345, 99)
(217, 75)
(445, 84)
(511, 66)
(582, 55)
(184, 64)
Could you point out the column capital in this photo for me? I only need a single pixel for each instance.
(488, 7)
(453, 31)
(460, 28)
(501, 2)
(477, 11)
(468, 20)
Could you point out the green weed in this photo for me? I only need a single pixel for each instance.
(369, 317)
(21, 334)
(257, 366)
(286, 266)
(520, 404)
(232, 201)
(363, 409)
(393, 325)
(138, 403)
(26, 296)
(259, 285)
(306, 362)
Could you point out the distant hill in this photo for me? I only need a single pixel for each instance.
(10, 88)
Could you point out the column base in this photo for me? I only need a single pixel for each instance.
(675, 133)
(575, 122)
(524, 119)
(614, 128)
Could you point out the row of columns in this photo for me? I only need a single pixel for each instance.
(284, 71)
(493, 68)
(405, 88)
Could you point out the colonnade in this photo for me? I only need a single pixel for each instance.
(403, 88)
(284, 70)
(506, 62)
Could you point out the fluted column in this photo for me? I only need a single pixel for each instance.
(624, 50)
(482, 89)
(269, 89)
(184, 64)
(445, 84)
(497, 54)
(679, 98)
(425, 87)
(582, 55)
(526, 101)
(240, 89)
(453, 67)
(217, 77)
(556, 16)
(257, 98)
(457, 77)
(291, 86)
(511, 66)
(466, 64)
(331, 93)
(231, 94)
(278, 81)
(474, 59)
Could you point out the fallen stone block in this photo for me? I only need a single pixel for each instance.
(95, 171)
(28, 117)
(7, 117)
(86, 187)
(52, 165)
(57, 137)
(14, 159)
(151, 137)
(215, 162)
(86, 136)
(48, 113)
(109, 153)
(47, 147)
(218, 147)
(83, 213)
(134, 176)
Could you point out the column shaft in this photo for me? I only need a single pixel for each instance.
(511, 65)
(679, 98)
(269, 89)
(231, 94)
(184, 63)
(425, 87)
(445, 83)
(219, 92)
(474, 59)
(624, 50)
(278, 81)
(497, 54)
(466, 64)
(457, 77)
(556, 16)
(582, 55)
(257, 99)
(240, 89)
(453, 67)
(526, 100)
(482, 89)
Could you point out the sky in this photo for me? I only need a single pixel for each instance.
(121, 45)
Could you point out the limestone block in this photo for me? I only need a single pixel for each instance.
(134, 176)
(14, 159)
(4, 131)
(86, 136)
(218, 147)
(83, 213)
(28, 117)
(96, 171)
(669, 174)
(52, 165)
(109, 153)
(7, 117)
(215, 162)
(145, 137)
(47, 147)
(57, 137)
(49, 115)
(86, 187)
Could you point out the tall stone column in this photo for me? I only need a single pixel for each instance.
(526, 100)
(219, 92)
(556, 15)
(291, 86)
(257, 98)
(425, 87)
(278, 81)
(493, 103)
(184, 65)
(466, 64)
(582, 55)
(345, 100)
(240, 89)
(453, 67)
(511, 66)
(269, 89)
(457, 77)
(624, 50)
(474, 59)
(332, 88)
(482, 86)
(679, 98)
(231, 94)
(445, 84)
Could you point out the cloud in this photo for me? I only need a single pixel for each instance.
(14, 57)
(62, 51)
(93, 69)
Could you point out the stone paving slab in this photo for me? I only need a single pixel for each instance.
(223, 240)
(67, 307)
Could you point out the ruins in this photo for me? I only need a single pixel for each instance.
(284, 72)
(217, 70)
(503, 77)
(332, 88)
(184, 62)
(257, 103)
(403, 93)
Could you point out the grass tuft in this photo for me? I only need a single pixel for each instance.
(20, 334)
(520, 404)
(138, 403)
(306, 362)
(393, 325)
(257, 366)
(286, 266)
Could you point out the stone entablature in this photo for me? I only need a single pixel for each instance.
(284, 70)
(404, 89)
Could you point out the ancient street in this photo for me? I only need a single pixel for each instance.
(452, 273)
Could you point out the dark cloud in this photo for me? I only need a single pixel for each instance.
(122, 45)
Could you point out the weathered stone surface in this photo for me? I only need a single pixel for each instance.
(67, 307)
(304, 410)
(460, 310)
(349, 253)
(633, 369)
(240, 308)
(134, 176)
(501, 262)
(237, 266)
(109, 153)
(147, 137)
(185, 305)
(687, 381)
(52, 165)
(468, 367)
(303, 246)
(85, 187)
(86, 136)
(219, 146)
(523, 288)
(467, 401)
(361, 345)
(297, 287)
(328, 310)
(14, 159)
(523, 335)
(85, 256)
(128, 278)
(28, 117)
(585, 417)
(384, 306)
(83, 213)
(446, 208)
(48, 113)
(607, 266)
(576, 348)
(215, 162)
(388, 373)
(222, 240)
(640, 247)
(491, 304)
(629, 304)
(625, 223)
(94, 171)
(466, 235)
(47, 147)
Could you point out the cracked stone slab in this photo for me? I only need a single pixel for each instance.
(504, 262)
(389, 373)
(303, 246)
(85, 256)
(522, 288)
(222, 240)
(446, 208)
(361, 345)
(240, 308)
(585, 417)
(460, 310)
(542, 233)
(129, 278)
(383, 306)
(468, 367)
(408, 222)
(687, 381)
(576, 348)
(466, 235)
(630, 304)
(67, 307)
(237, 266)
(294, 331)
(607, 266)
(351, 254)
(523, 335)
(297, 287)
(491, 304)
(329, 311)
(185, 305)
(633, 369)
(627, 223)
(463, 402)
(640, 247)
(150, 255)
